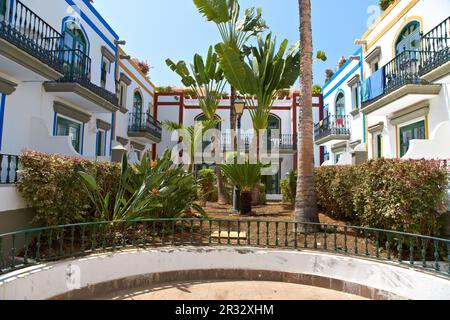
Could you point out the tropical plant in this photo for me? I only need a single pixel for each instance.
(246, 176)
(206, 81)
(167, 89)
(146, 190)
(206, 189)
(234, 30)
(305, 203)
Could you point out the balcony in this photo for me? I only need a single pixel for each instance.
(284, 142)
(76, 86)
(27, 43)
(331, 130)
(144, 128)
(436, 46)
(398, 84)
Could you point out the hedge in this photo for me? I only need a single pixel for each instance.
(51, 185)
(401, 195)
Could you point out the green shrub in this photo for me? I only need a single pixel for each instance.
(207, 189)
(335, 188)
(289, 188)
(406, 196)
(50, 184)
(150, 189)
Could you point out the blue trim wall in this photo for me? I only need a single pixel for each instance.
(99, 17)
(2, 115)
(93, 26)
(357, 53)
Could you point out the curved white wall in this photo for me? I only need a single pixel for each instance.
(46, 281)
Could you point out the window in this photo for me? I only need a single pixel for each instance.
(123, 95)
(337, 157)
(340, 105)
(355, 97)
(104, 71)
(377, 146)
(101, 143)
(409, 38)
(70, 128)
(375, 66)
(411, 132)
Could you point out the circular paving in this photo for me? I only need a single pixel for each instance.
(231, 290)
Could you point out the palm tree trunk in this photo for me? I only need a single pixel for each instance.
(222, 197)
(233, 118)
(305, 202)
(256, 194)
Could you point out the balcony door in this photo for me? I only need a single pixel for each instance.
(75, 51)
(137, 109)
(340, 111)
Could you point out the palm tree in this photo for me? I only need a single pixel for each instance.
(206, 79)
(305, 203)
(235, 32)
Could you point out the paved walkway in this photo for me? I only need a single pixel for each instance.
(236, 290)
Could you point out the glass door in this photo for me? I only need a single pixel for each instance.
(415, 131)
(75, 58)
(68, 128)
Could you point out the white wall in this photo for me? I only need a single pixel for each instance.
(53, 279)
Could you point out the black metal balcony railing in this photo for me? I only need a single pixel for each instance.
(27, 31)
(332, 126)
(436, 46)
(282, 142)
(77, 68)
(9, 165)
(144, 122)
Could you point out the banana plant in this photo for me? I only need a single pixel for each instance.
(235, 30)
(206, 79)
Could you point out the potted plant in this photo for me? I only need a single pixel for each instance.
(246, 176)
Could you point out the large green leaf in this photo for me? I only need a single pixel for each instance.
(214, 10)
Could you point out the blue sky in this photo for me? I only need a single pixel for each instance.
(160, 29)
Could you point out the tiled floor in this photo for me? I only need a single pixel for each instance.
(237, 290)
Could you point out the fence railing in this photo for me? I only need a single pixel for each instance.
(332, 125)
(9, 165)
(436, 46)
(77, 68)
(30, 247)
(282, 142)
(144, 122)
(26, 30)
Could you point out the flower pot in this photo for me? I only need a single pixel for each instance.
(246, 202)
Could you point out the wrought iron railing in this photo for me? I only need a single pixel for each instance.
(436, 46)
(282, 142)
(34, 246)
(77, 68)
(144, 122)
(27, 31)
(331, 126)
(405, 68)
(9, 165)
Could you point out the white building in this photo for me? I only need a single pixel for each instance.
(340, 132)
(404, 106)
(284, 118)
(66, 88)
(407, 69)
